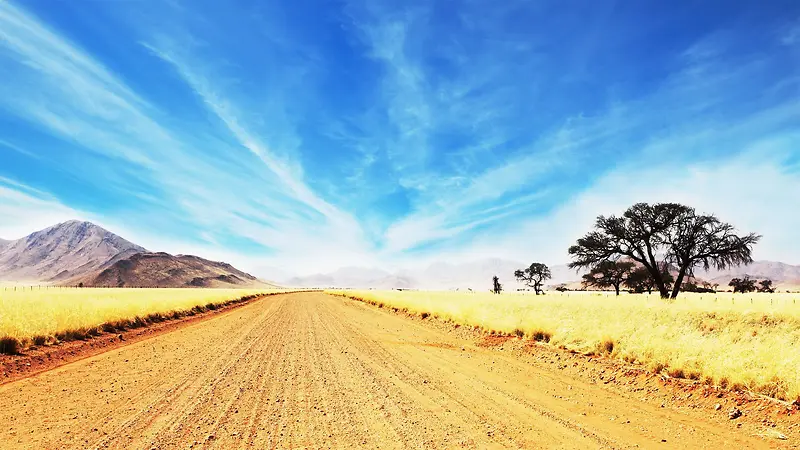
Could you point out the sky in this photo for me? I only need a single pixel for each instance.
(304, 136)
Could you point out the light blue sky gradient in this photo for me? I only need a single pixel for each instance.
(304, 136)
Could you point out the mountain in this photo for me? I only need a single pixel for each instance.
(76, 252)
(165, 270)
(62, 251)
(784, 276)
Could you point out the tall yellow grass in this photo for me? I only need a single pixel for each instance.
(749, 340)
(46, 312)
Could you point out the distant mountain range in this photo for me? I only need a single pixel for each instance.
(477, 275)
(76, 252)
(784, 276)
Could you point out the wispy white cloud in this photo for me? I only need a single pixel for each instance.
(689, 116)
(56, 85)
(754, 191)
(480, 145)
(791, 34)
(24, 209)
(8, 145)
(225, 111)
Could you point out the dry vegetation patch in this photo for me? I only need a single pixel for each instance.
(749, 341)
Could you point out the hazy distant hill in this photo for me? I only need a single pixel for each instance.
(782, 275)
(344, 277)
(165, 270)
(65, 250)
(475, 275)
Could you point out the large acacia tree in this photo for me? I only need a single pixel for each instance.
(664, 235)
(534, 276)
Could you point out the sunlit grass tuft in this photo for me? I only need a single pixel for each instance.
(745, 341)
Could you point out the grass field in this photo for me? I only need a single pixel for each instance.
(40, 316)
(747, 341)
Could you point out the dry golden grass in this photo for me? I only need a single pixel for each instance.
(739, 340)
(40, 316)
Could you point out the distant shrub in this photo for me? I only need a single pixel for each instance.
(541, 336)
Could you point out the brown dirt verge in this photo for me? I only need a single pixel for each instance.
(40, 358)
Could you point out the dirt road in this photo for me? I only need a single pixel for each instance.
(313, 371)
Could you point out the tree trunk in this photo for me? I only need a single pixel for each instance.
(657, 280)
(678, 281)
(616, 288)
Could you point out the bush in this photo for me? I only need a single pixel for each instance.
(606, 346)
(541, 336)
(9, 345)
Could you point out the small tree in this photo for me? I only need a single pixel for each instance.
(496, 286)
(534, 276)
(743, 285)
(609, 274)
(766, 286)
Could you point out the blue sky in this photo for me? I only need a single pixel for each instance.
(303, 136)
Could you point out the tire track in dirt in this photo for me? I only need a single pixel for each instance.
(311, 370)
(469, 395)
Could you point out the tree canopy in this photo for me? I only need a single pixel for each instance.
(743, 285)
(765, 286)
(640, 280)
(664, 235)
(534, 276)
(609, 274)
